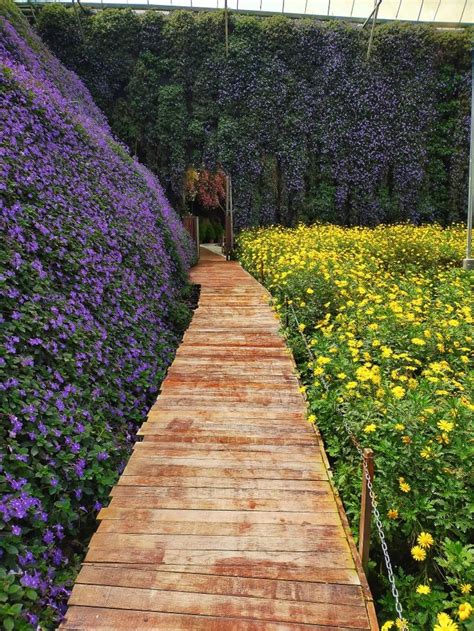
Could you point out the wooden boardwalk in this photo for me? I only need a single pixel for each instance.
(224, 517)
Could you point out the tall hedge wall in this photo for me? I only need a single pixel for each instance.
(306, 126)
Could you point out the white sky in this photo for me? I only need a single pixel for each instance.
(437, 11)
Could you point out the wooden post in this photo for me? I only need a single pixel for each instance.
(191, 223)
(196, 236)
(366, 510)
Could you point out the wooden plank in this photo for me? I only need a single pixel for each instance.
(243, 529)
(225, 482)
(117, 575)
(226, 441)
(227, 462)
(105, 619)
(280, 418)
(181, 423)
(336, 576)
(320, 542)
(268, 456)
(146, 466)
(141, 499)
(219, 516)
(156, 555)
(207, 604)
(322, 490)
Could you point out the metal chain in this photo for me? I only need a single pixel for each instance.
(379, 526)
(378, 521)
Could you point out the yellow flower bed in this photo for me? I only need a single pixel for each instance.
(386, 314)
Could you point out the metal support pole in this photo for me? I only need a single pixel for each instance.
(366, 510)
(374, 20)
(229, 220)
(231, 211)
(226, 20)
(468, 263)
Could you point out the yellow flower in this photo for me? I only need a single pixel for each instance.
(312, 418)
(423, 590)
(404, 486)
(418, 553)
(426, 453)
(363, 374)
(318, 371)
(466, 588)
(464, 611)
(302, 327)
(351, 385)
(418, 341)
(398, 392)
(387, 626)
(402, 624)
(310, 291)
(399, 427)
(445, 623)
(323, 360)
(445, 426)
(341, 375)
(425, 540)
(392, 513)
(302, 389)
(368, 429)
(406, 440)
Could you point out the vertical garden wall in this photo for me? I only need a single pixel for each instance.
(92, 265)
(308, 128)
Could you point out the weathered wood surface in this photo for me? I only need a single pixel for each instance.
(225, 517)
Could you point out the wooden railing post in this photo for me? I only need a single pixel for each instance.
(366, 510)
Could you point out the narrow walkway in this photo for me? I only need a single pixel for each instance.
(224, 517)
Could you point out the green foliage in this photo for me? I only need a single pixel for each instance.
(308, 129)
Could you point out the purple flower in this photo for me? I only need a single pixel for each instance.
(30, 580)
(95, 257)
(26, 559)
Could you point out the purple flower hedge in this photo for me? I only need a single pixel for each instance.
(93, 260)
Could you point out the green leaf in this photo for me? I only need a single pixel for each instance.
(9, 624)
(31, 594)
(15, 588)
